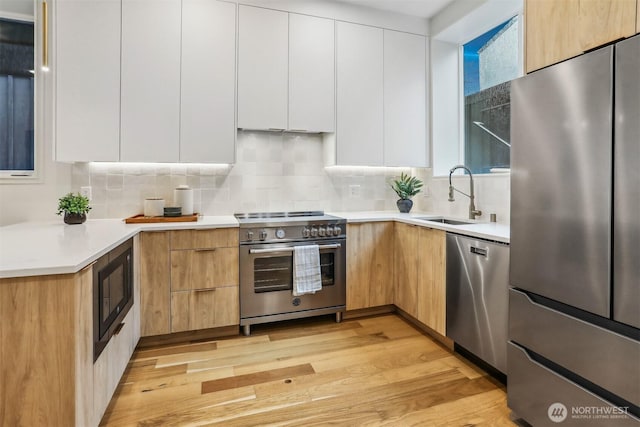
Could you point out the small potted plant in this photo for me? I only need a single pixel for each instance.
(75, 208)
(406, 187)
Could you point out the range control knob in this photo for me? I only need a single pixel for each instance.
(329, 231)
(263, 235)
(337, 230)
(280, 233)
(314, 232)
(322, 232)
(306, 232)
(249, 235)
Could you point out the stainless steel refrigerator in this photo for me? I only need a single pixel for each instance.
(574, 301)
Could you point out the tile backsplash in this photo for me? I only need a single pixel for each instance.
(273, 172)
(277, 172)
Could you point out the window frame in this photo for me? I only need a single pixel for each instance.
(35, 176)
(461, 100)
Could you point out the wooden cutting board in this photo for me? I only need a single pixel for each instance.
(141, 219)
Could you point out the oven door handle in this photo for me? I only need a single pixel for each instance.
(290, 249)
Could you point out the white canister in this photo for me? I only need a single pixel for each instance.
(153, 206)
(183, 197)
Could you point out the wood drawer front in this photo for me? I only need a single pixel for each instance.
(210, 308)
(203, 269)
(199, 239)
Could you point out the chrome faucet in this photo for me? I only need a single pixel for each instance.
(473, 212)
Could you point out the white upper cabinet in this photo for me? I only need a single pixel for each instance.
(311, 74)
(405, 117)
(207, 117)
(359, 59)
(87, 80)
(150, 97)
(262, 68)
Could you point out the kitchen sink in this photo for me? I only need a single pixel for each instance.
(442, 220)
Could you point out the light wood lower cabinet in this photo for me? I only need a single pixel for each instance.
(370, 252)
(420, 265)
(155, 275)
(205, 308)
(190, 280)
(406, 268)
(432, 288)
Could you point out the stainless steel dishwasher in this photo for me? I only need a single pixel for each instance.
(478, 297)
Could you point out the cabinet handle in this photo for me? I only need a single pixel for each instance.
(298, 130)
(45, 36)
(118, 329)
(276, 129)
(206, 250)
(205, 290)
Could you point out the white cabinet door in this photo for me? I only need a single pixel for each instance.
(262, 68)
(405, 116)
(150, 111)
(207, 116)
(359, 59)
(311, 73)
(87, 72)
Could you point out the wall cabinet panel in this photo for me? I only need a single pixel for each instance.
(560, 29)
(311, 74)
(208, 79)
(405, 94)
(150, 67)
(360, 106)
(87, 80)
(262, 68)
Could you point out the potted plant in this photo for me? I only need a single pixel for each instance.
(406, 187)
(75, 208)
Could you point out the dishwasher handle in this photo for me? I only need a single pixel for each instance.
(479, 251)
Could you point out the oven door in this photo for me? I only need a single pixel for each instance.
(266, 279)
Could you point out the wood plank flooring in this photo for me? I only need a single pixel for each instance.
(361, 372)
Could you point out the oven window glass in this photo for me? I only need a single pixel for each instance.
(327, 268)
(276, 273)
(273, 274)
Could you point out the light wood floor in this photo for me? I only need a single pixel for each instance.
(368, 371)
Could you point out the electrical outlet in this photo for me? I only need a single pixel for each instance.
(354, 190)
(86, 192)
(426, 191)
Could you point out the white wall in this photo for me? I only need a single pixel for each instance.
(36, 199)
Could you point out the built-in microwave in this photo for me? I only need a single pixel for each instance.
(112, 294)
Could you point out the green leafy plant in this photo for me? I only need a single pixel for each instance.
(73, 204)
(406, 186)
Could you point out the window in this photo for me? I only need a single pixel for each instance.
(490, 62)
(17, 149)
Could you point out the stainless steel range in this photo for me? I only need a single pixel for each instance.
(267, 242)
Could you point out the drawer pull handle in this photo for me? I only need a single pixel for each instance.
(205, 290)
(479, 251)
(206, 250)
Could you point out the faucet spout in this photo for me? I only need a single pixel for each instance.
(473, 212)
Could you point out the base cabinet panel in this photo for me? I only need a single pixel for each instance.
(369, 265)
(202, 309)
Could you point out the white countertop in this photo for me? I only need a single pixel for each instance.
(40, 248)
(53, 247)
(480, 229)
